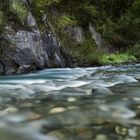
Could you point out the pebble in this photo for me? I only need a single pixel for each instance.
(121, 130)
(27, 105)
(85, 135)
(71, 99)
(101, 137)
(34, 116)
(57, 110)
(10, 110)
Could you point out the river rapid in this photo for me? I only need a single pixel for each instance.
(100, 103)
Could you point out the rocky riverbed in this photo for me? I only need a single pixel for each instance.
(101, 103)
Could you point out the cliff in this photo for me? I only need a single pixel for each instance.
(26, 48)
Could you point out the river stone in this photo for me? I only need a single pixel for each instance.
(85, 135)
(121, 130)
(10, 110)
(101, 91)
(101, 137)
(138, 78)
(57, 110)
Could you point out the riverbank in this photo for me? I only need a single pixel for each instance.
(38, 35)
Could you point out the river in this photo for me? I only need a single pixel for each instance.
(99, 103)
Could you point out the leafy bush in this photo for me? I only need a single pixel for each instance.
(116, 58)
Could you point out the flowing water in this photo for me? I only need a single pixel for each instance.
(71, 104)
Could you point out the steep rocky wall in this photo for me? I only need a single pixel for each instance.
(30, 49)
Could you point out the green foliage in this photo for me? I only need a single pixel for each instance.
(86, 51)
(135, 50)
(39, 6)
(66, 20)
(42, 3)
(2, 20)
(117, 58)
(117, 21)
(19, 8)
(90, 10)
(13, 12)
(87, 47)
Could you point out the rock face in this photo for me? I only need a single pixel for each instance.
(29, 49)
(96, 36)
(75, 33)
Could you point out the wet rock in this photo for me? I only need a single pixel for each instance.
(9, 110)
(57, 110)
(121, 130)
(26, 105)
(133, 132)
(57, 134)
(85, 135)
(101, 91)
(26, 69)
(138, 78)
(71, 99)
(9, 70)
(101, 137)
(34, 116)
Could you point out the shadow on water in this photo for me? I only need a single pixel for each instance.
(72, 104)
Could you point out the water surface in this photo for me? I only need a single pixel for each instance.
(71, 104)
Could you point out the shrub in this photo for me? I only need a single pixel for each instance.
(117, 58)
